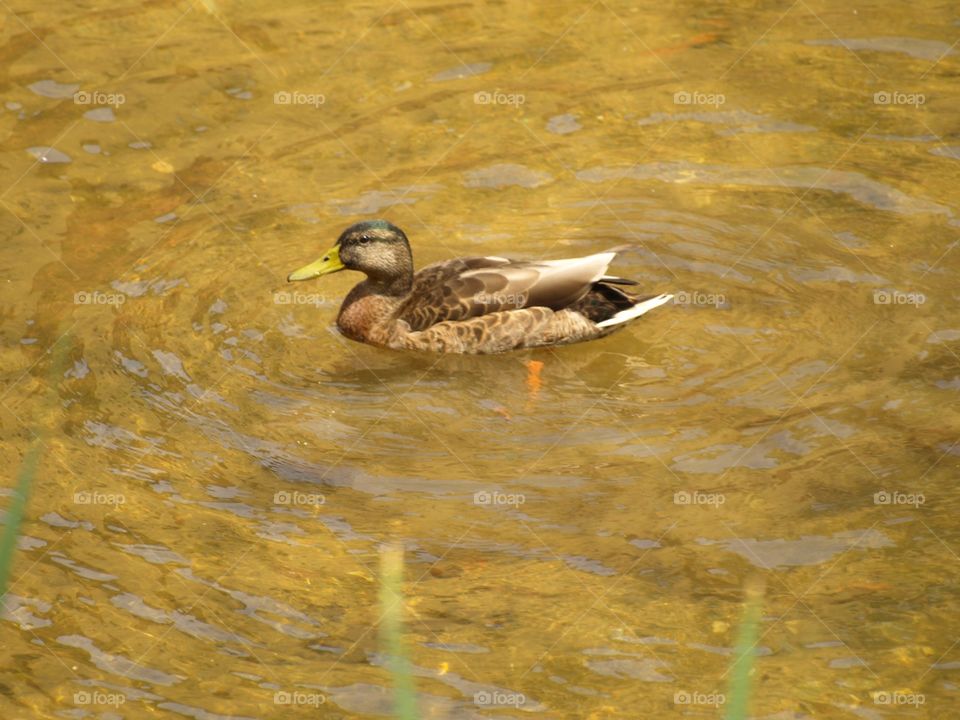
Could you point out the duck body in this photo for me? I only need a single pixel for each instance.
(474, 304)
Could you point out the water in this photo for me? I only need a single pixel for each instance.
(224, 469)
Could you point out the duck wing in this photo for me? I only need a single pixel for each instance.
(470, 287)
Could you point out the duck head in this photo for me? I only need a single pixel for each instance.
(376, 248)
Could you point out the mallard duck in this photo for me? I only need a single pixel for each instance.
(472, 304)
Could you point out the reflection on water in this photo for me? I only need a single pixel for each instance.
(578, 525)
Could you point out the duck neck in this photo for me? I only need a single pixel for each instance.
(394, 286)
(395, 282)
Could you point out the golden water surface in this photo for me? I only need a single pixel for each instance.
(223, 474)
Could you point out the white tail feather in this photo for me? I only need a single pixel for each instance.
(636, 311)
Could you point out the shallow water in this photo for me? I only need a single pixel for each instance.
(223, 470)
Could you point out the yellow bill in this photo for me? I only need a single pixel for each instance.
(329, 263)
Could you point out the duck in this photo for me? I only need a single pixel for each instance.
(473, 305)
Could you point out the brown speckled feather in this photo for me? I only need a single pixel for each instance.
(474, 287)
(505, 330)
(489, 305)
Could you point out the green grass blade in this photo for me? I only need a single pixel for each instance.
(391, 631)
(11, 530)
(25, 477)
(738, 695)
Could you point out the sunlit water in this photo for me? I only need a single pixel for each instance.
(223, 469)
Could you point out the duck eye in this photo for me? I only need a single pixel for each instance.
(364, 239)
